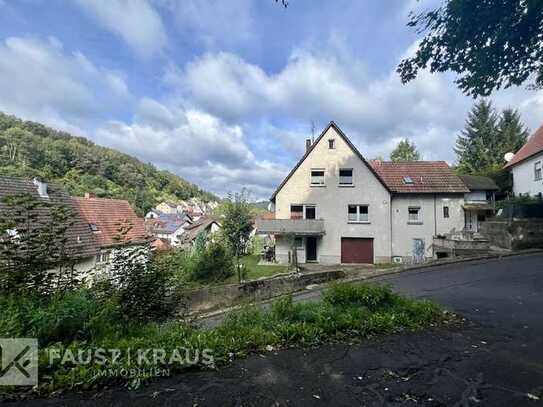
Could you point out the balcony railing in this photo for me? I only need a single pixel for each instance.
(298, 227)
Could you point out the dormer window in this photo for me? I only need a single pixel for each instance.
(331, 144)
(93, 227)
(408, 180)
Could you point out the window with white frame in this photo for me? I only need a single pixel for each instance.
(317, 177)
(358, 213)
(445, 211)
(102, 257)
(302, 211)
(537, 171)
(345, 176)
(331, 144)
(414, 215)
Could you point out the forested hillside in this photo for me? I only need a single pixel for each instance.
(30, 149)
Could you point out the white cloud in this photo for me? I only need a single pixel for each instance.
(39, 80)
(195, 145)
(136, 21)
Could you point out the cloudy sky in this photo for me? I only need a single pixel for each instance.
(223, 92)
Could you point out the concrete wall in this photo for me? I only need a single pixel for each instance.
(332, 201)
(433, 222)
(515, 235)
(213, 297)
(523, 177)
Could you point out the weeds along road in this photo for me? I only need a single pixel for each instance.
(493, 359)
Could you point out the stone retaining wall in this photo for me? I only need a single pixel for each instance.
(215, 297)
(516, 234)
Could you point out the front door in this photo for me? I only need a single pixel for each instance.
(310, 248)
(470, 221)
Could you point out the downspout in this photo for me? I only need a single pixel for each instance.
(391, 243)
(435, 225)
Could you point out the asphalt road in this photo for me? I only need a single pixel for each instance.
(494, 359)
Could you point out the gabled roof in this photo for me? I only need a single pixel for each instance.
(345, 138)
(479, 183)
(533, 146)
(80, 240)
(116, 222)
(167, 223)
(201, 225)
(425, 177)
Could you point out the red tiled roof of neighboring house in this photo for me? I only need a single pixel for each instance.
(201, 225)
(161, 245)
(426, 177)
(533, 146)
(116, 222)
(80, 241)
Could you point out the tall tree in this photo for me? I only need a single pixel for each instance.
(512, 134)
(490, 44)
(476, 143)
(405, 151)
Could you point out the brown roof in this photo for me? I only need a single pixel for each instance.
(533, 146)
(345, 138)
(426, 177)
(200, 225)
(80, 240)
(116, 222)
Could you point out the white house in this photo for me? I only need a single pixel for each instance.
(527, 166)
(336, 207)
(479, 202)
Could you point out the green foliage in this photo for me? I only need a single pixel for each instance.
(29, 149)
(34, 243)
(486, 138)
(214, 263)
(490, 44)
(405, 151)
(142, 289)
(355, 311)
(237, 223)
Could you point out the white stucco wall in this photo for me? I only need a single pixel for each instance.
(523, 177)
(332, 201)
(432, 221)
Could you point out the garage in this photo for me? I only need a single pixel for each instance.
(356, 250)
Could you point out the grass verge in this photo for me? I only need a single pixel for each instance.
(346, 311)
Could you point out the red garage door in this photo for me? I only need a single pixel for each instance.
(356, 250)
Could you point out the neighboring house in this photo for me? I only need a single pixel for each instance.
(169, 226)
(479, 202)
(152, 214)
(203, 225)
(114, 225)
(527, 166)
(166, 207)
(80, 246)
(336, 207)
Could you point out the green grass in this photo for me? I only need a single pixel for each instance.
(255, 271)
(346, 312)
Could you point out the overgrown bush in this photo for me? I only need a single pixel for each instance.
(214, 263)
(143, 290)
(372, 297)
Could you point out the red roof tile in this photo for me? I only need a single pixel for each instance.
(116, 222)
(533, 146)
(427, 176)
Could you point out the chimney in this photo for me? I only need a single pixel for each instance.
(42, 188)
(307, 144)
(89, 195)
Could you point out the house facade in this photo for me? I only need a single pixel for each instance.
(527, 167)
(479, 202)
(336, 207)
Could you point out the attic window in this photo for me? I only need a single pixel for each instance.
(93, 227)
(331, 144)
(408, 180)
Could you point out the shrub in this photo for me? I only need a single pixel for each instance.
(215, 263)
(372, 297)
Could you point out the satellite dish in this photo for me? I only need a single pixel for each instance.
(508, 156)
